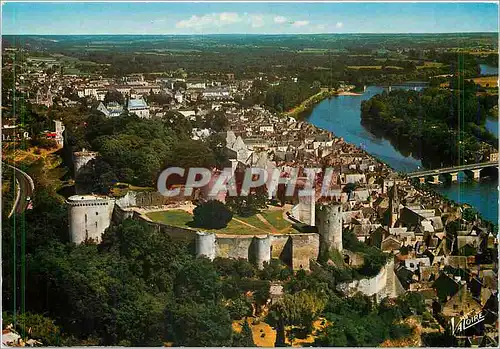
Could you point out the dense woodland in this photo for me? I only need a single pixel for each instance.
(280, 97)
(440, 126)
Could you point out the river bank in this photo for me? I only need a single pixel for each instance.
(348, 93)
(341, 115)
(305, 107)
(428, 133)
(309, 103)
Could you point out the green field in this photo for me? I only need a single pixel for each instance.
(356, 67)
(183, 219)
(253, 220)
(180, 218)
(75, 66)
(430, 65)
(374, 67)
(177, 218)
(275, 217)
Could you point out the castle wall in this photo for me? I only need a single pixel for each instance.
(148, 199)
(295, 250)
(120, 214)
(128, 200)
(176, 233)
(89, 216)
(307, 209)
(234, 246)
(304, 248)
(278, 243)
(369, 286)
(205, 245)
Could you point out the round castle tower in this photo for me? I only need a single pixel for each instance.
(329, 224)
(205, 244)
(262, 250)
(82, 158)
(89, 216)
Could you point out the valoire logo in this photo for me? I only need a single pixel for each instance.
(466, 323)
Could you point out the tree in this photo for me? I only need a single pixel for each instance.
(217, 143)
(98, 176)
(212, 214)
(248, 205)
(239, 308)
(239, 268)
(411, 303)
(332, 336)
(193, 324)
(197, 281)
(96, 294)
(244, 339)
(299, 309)
(158, 98)
(191, 153)
(179, 123)
(469, 214)
(152, 256)
(216, 121)
(35, 326)
(114, 96)
(275, 270)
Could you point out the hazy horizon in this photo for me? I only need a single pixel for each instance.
(207, 18)
(251, 34)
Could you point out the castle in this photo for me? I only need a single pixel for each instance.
(90, 215)
(321, 232)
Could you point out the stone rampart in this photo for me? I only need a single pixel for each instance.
(295, 250)
(148, 199)
(369, 286)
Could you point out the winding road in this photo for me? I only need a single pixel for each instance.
(26, 188)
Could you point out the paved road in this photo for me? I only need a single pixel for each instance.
(26, 187)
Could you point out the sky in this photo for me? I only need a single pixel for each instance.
(255, 18)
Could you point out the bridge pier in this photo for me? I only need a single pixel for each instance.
(454, 176)
(435, 179)
(474, 174)
(422, 180)
(477, 174)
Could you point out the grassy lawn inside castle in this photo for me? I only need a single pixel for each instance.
(251, 225)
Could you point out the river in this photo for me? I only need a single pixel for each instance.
(486, 69)
(342, 116)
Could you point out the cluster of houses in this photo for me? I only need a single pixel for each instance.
(67, 90)
(449, 260)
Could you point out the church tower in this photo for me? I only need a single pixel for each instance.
(393, 209)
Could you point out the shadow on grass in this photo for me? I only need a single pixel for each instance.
(193, 224)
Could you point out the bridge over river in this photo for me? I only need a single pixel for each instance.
(472, 170)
